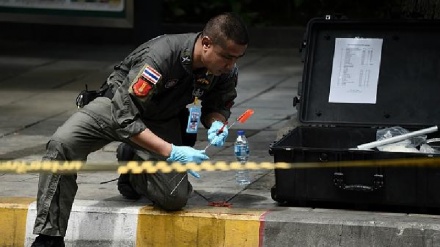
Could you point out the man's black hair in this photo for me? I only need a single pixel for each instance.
(227, 26)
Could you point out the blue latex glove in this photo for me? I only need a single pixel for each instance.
(186, 154)
(215, 138)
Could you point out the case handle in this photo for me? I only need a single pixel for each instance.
(378, 182)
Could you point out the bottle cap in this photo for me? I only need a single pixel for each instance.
(240, 132)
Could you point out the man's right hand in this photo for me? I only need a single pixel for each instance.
(186, 154)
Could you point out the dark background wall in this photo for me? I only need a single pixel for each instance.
(297, 12)
(285, 19)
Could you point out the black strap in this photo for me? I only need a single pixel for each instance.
(108, 93)
(105, 91)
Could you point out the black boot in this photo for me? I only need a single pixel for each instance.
(126, 189)
(126, 153)
(48, 241)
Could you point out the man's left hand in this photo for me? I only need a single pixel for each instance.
(217, 134)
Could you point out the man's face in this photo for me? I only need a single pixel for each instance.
(220, 59)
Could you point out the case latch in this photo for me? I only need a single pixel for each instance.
(296, 101)
(336, 16)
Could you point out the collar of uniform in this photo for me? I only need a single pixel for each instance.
(186, 55)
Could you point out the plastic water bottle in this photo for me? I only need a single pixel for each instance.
(241, 150)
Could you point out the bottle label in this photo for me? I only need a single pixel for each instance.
(241, 150)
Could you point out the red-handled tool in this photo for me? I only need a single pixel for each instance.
(221, 129)
(243, 117)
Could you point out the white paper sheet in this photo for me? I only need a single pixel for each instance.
(355, 70)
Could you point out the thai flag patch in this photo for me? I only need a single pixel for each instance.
(151, 74)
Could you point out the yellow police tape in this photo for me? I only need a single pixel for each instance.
(21, 167)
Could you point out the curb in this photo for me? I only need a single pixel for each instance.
(13, 220)
(124, 223)
(118, 223)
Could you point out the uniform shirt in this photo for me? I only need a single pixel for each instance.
(156, 81)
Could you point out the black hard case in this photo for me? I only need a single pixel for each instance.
(408, 96)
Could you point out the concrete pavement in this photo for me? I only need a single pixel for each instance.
(38, 86)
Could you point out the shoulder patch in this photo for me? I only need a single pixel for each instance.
(141, 87)
(151, 74)
(186, 57)
(145, 81)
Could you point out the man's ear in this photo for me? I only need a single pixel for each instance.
(206, 42)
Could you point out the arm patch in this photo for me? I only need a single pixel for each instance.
(144, 81)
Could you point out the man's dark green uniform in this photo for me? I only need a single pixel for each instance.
(151, 86)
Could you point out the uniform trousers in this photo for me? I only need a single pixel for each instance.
(86, 131)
